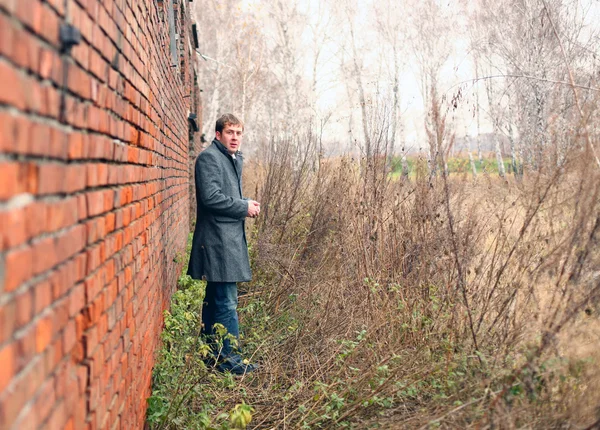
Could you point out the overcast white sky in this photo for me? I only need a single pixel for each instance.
(333, 93)
(332, 90)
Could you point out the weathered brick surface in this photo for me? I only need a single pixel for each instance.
(95, 154)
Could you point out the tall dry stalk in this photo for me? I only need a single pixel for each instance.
(420, 277)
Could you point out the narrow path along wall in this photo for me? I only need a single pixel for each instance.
(95, 148)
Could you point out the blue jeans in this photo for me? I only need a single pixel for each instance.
(220, 306)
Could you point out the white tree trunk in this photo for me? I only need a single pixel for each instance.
(499, 159)
(479, 155)
(361, 93)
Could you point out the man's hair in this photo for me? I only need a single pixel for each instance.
(227, 119)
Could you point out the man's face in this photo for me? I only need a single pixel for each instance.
(231, 137)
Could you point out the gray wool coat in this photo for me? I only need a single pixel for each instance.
(219, 248)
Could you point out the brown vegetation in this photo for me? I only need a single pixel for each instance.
(437, 300)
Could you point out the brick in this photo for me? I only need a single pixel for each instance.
(21, 131)
(54, 354)
(82, 376)
(7, 41)
(109, 223)
(71, 110)
(102, 172)
(108, 200)
(40, 142)
(86, 25)
(48, 60)
(92, 175)
(95, 230)
(110, 270)
(98, 66)
(42, 296)
(17, 178)
(60, 314)
(44, 401)
(58, 144)
(9, 178)
(60, 379)
(25, 345)
(33, 94)
(7, 320)
(14, 231)
(29, 14)
(35, 218)
(82, 206)
(75, 145)
(90, 339)
(62, 214)
(33, 54)
(51, 101)
(57, 178)
(80, 266)
(97, 174)
(7, 141)
(57, 282)
(58, 417)
(44, 255)
(70, 242)
(111, 291)
(44, 332)
(81, 54)
(24, 308)
(58, 6)
(27, 419)
(70, 425)
(69, 337)
(8, 368)
(76, 299)
(80, 325)
(51, 178)
(75, 178)
(102, 326)
(12, 86)
(93, 312)
(95, 203)
(18, 268)
(49, 26)
(11, 402)
(133, 155)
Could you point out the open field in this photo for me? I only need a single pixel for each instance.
(456, 166)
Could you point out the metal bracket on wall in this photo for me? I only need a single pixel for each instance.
(69, 36)
(195, 36)
(192, 117)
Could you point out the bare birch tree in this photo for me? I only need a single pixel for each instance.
(431, 47)
(522, 35)
(390, 19)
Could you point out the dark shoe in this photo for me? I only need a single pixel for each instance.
(210, 361)
(236, 365)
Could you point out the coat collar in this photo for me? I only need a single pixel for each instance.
(222, 148)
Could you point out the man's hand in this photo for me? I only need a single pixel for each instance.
(253, 208)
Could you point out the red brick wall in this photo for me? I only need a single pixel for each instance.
(94, 206)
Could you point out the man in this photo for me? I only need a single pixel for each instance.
(219, 248)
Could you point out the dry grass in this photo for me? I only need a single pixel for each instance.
(437, 302)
